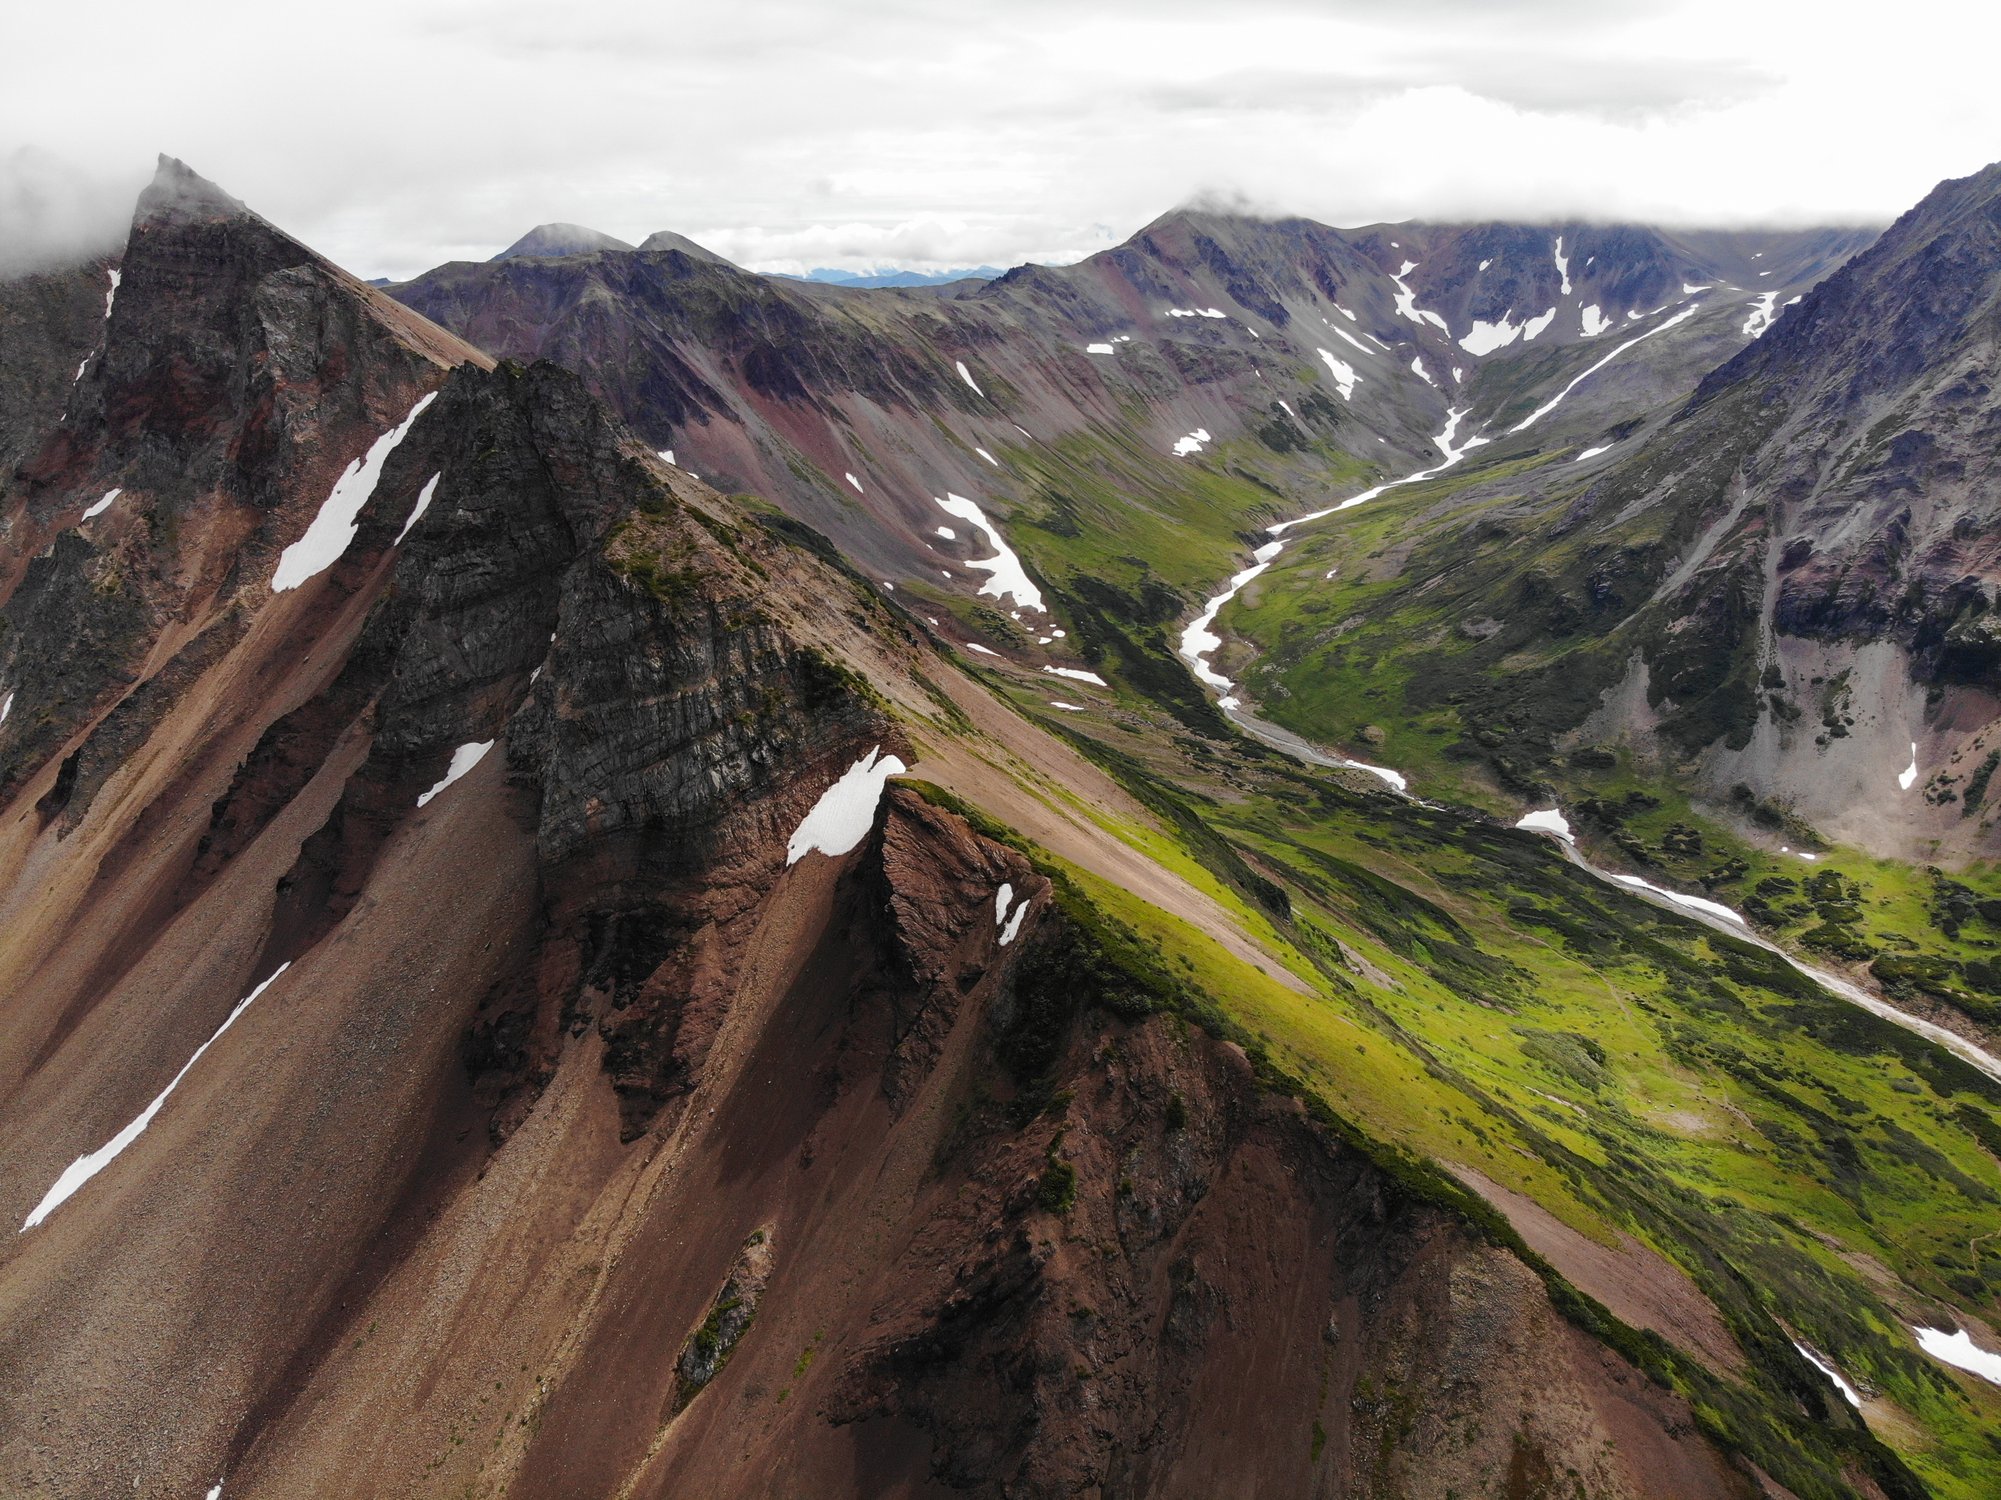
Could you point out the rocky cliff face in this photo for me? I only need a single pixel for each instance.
(50, 323)
(237, 375)
(1821, 594)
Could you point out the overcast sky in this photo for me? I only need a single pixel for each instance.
(396, 134)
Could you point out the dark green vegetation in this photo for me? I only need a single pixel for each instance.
(1472, 1045)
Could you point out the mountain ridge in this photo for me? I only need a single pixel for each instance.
(672, 1007)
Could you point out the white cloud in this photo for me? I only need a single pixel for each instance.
(786, 133)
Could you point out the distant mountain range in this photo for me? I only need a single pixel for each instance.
(893, 277)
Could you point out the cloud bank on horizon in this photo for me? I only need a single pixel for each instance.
(787, 134)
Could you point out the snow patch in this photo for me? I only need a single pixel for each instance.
(423, 504)
(983, 650)
(1077, 674)
(988, 457)
(856, 483)
(111, 294)
(1192, 443)
(1068, 708)
(845, 812)
(1562, 267)
(1407, 301)
(1590, 453)
(1486, 337)
(80, 1171)
(1013, 927)
(948, 533)
(103, 505)
(1595, 322)
(1907, 778)
(463, 760)
(967, 376)
(1008, 580)
(1958, 1349)
(1003, 899)
(1344, 374)
(335, 526)
(1099, 349)
(1689, 289)
(6, 707)
(1763, 312)
(1196, 312)
(667, 456)
(1417, 367)
(1549, 820)
(1535, 326)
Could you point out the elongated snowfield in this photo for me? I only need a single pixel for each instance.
(1908, 777)
(334, 528)
(967, 376)
(1077, 674)
(103, 505)
(1013, 927)
(1692, 903)
(1959, 1350)
(111, 294)
(463, 760)
(845, 812)
(423, 504)
(80, 1171)
(1554, 401)
(1347, 338)
(1848, 1392)
(1007, 578)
